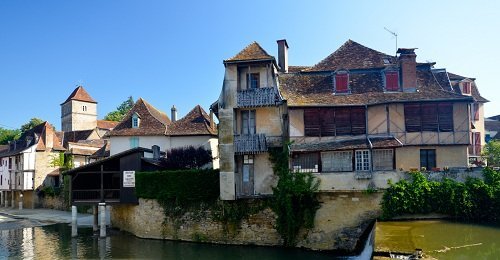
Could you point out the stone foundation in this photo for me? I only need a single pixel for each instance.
(339, 223)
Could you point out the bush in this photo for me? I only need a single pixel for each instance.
(475, 200)
(188, 158)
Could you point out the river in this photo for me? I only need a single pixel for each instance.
(439, 239)
(55, 242)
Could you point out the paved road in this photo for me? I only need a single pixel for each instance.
(14, 218)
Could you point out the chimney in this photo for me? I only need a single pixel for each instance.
(408, 69)
(174, 113)
(283, 55)
(49, 136)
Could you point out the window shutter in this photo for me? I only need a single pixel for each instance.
(476, 111)
(341, 83)
(343, 121)
(327, 121)
(358, 120)
(466, 88)
(412, 118)
(429, 117)
(391, 80)
(311, 122)
(477, 143)
(445, 115)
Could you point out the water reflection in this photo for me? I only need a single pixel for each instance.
(55, 242)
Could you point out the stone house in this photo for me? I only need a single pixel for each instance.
(145, 126)
(27, 165)
(356, 119)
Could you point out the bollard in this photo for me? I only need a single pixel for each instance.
(102, 211)
(74, 222)
(95, 225)
(20, 201)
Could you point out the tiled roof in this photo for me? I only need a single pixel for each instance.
(35, 136)
(252, 52)
(455, 79)
(196, 122)
(316, 89)
(352, 55)
(80, 94)
(152, 121)
(349, 144)
(293, 69)
(104, 151)
(75, 136)
(106, 124)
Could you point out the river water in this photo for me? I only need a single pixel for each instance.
(439, 239)
(55, 242)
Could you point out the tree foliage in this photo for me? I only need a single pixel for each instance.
(295, 201)
(476, 199)
(121, 110)
(492, 152)
(32, 123)
(7, 135)
(188, 158)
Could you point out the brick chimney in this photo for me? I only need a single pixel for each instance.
(283, 55)
(408, 69)
(49, 136)
(173, 113)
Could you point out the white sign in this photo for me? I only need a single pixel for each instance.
(129, 179)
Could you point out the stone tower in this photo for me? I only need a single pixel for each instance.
(79, 111)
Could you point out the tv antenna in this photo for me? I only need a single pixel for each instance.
(395, 35)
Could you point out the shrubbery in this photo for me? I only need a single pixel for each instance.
(188, 158)
(476, 200)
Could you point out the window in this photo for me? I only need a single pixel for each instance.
(334, 121)
(84, 108)
(383, 160)
(135, 120)
(248, 122)
(340, 161)
(428, 158)
(476, 143)
(391, 81)
(253, 80)
(475, 111)
(432, 117)
(248, 159)
(362, 160)
(342, 82)
(305, 162)
(466, 88)
(134, 142)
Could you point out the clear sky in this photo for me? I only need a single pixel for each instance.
(171, 52)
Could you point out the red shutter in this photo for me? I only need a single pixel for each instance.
(358, 121)
(475, 106)
(341, 83)
(477, 143)
(391, 80)
(466, 88)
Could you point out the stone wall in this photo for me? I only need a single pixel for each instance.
(339, 223)
(57, 203)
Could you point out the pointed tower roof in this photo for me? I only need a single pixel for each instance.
(352, 55)
(153, 121)
(252, 52)
(80, 94)
(196, 122)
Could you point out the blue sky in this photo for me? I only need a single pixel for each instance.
(171, 53)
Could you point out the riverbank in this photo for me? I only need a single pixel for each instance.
(42, 217)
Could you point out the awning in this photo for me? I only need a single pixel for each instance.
(349, 144)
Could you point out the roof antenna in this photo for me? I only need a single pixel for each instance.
(395, 35)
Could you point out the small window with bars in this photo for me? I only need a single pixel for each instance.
(248, 159)
(305, 162)
(383, 160)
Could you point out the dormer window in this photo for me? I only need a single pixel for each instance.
(391, 80)
(136, 121)
(253, 81)
(466, 87)
(342, 82)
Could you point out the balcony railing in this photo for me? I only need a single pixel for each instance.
(259, 97)
(255, 143)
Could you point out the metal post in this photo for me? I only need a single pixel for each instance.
(20, 201)
(95, 212)
(102, 211)
(74, 222)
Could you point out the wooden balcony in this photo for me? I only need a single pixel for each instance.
(259, 97)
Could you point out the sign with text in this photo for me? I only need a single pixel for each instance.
(128, 179)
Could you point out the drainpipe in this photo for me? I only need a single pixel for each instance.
(368, 139)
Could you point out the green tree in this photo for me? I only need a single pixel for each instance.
(120, 111)
(32, 123)
(7, 135)
(492, 153)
